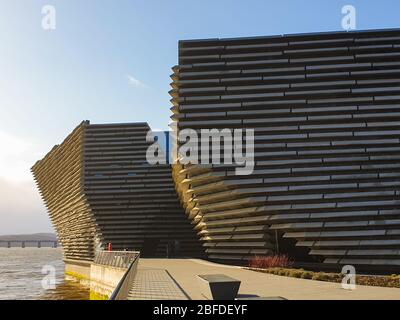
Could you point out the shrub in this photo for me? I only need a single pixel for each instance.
(273, 261)
(296, 273)
(337, 277)
(282, 272)
(381, 281)
(276, 271)
(307, 275)
(320, 276)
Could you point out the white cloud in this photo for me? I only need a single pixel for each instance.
(135, 82)
(17, 157)
(21, 209)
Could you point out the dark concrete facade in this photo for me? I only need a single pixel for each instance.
(326, 113)
(99, 188)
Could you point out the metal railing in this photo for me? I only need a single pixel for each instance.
(117, 259)
(121, 292)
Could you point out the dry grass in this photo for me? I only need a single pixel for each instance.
(379, 281)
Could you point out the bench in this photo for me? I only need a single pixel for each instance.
(218, 286)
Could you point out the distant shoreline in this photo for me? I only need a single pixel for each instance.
(29, 237)
(35, 240)
(29, 247)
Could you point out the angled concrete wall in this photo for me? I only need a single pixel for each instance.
(99, 188)
(325, 109)
(59, 178)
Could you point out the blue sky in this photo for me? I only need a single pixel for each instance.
(110, 61)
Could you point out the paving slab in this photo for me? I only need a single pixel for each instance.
(155, 284)
(184, 272)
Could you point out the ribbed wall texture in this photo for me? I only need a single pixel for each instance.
(59, 179)
(326, 114)
(99, 188)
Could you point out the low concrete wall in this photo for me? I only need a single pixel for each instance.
(78, 269)
(104, 279)
(101, 279)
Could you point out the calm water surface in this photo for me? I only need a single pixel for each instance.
(21, 275)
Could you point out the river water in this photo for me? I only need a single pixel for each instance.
(29, 273)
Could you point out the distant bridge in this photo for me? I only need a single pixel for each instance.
(24, 242)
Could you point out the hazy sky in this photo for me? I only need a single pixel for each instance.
(110, 61)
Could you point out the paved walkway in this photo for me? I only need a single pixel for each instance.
(184, 272)
(155, 284)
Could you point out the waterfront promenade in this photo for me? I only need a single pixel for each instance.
(177, 277)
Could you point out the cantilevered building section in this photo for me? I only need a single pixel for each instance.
(326, 113)
(59, 178)
(99, 188)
